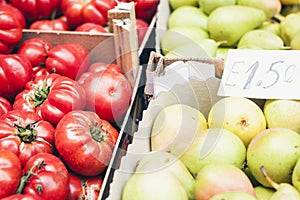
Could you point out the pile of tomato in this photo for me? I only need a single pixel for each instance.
(59, 112)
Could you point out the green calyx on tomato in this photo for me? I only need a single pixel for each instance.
(40, 94)
(27, 133)
(98, 132)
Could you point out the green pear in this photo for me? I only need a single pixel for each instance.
(290, 2)
(233, 196)
(188, 16)
(187, 51)
(222, 52)
(208, 147)
(283, 113)
(176, 124)
(270, 7)
(271, 25)
(288, 9)
(230, 23)
(283, 190)
(277, 149)
(160, 184)
(261, 38)
(289, 26)
(263, 193)
(239, 115)
(178, 3)
(209, 5)
(161, 160)
(177, 36)
(216, 178)
(295, 42)
(296, 175)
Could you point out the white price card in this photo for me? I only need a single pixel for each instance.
(264, 74)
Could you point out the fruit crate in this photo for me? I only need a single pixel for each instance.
(136, 143)
(120, 47)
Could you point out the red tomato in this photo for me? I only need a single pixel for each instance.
(141, 28)
(68, 59)
(108, 94)
(100, 66)
(36, 50)
(25, 134)
(5, 106)
(145, 9)
(81, 11)
(16, 11)
(85, 142)
(91, 27)
(21, 197)
(11, 172)
(85, 188)
(58, 24)
(36, 9)
(39, 71)
(46, 177)
(15, 72)
(51, 96)
(10, 31)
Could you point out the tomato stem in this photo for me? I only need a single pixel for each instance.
(98, 132)
(26, 134)
(25, 178)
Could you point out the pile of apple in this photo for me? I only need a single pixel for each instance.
(197, 28)
(242, 150)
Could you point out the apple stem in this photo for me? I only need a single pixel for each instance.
(270, 181)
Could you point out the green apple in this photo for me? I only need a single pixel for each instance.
(181, 35)
(263, 193)
(277, 149)
(187, 16)
(213, 145)
(282, 113)
(178, 3)
(239, 115)
(176, 124)
(160, 160)
(233, 196)
(218, 178)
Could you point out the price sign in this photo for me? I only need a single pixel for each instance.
(265, 74)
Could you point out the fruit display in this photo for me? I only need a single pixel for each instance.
(62, 106)
(230, 24)
(239, 148)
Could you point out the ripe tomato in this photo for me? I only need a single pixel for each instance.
(83, 187)
(15, 72)
(51, 96)
(91, 28)
(5, 106)
(16, 11)
(36, 50)
(21, 197)
(58, 24)
(10, 31)
(46, 177)
(10, 171)
(85, 142)
(25, 134)
(108, 94)
(68, 59)
(81, 11)
(36, 9)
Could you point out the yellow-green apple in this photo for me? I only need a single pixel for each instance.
(217, 178)
(176, 124)
(277, 149)
(239, 115)
(213, 145)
